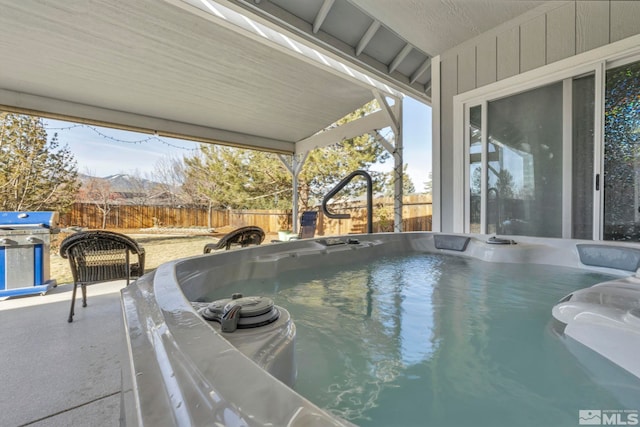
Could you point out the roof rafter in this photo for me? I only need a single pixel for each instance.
(374, 121)
(367, 36)
(322, 14)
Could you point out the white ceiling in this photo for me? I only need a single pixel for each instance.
(151, 59)
(393, 40)
(170, 67)
(435, 26)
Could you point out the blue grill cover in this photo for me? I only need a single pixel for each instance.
(36, 219)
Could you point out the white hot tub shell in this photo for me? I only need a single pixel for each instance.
(185, 371)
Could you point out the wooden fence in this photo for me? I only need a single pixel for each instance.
(128, 216)
(416, 216)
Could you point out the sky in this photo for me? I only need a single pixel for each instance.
(104, 151)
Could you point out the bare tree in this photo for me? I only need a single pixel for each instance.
(170, 178)
(98, 191)
(140, 189)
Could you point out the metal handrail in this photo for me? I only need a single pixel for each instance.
(340, 186)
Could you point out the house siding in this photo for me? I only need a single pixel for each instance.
(551, 33)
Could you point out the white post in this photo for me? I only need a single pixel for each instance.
(294, 210)
(297, 161)
(397, 173)
(394, 114)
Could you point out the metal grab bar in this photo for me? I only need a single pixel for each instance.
(340, 186)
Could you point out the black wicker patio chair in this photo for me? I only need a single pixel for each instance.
(100, 256)
(243, 236)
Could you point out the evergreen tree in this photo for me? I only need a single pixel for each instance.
(34, 174)
(234, 178)
(407, 183)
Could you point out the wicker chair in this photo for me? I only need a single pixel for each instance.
(100, 256)
(243, 236)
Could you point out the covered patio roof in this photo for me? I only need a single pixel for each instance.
(177, 68)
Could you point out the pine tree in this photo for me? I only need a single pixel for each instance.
(234, 178)
(407, 183)
(34, 174)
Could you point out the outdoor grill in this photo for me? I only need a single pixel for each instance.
(25, 238)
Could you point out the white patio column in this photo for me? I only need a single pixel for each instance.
(294, 168)
(398, 175)
(394, 113)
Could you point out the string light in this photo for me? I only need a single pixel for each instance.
(103, 135)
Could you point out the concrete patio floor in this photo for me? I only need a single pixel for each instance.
(55, 373)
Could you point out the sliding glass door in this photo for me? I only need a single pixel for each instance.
(524, 163)
(558, 160)
(583, 149)
(622, 153)
(523, 155)
(538, 154)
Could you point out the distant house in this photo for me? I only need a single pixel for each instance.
(123, 189)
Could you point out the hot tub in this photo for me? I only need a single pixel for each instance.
(185, 371)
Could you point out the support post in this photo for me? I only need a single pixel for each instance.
(294, 167)
(395, 117)
(398, 175)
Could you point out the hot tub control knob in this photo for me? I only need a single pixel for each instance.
(240, 312)
(230, 315)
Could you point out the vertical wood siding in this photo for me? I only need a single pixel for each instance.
(566, 30)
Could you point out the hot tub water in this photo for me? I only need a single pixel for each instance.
(431, 339)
